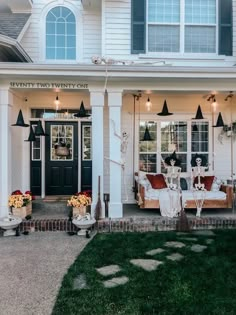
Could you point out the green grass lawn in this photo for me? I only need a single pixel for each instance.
(201, 283)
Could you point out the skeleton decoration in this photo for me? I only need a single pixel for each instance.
(123, 145)
(123, 148)
(172, 164)
(199, 166)
(98, 60)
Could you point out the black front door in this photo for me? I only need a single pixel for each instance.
(61, 158)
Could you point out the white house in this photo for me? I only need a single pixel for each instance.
(113, 56)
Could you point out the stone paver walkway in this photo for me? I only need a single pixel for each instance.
(152, 264)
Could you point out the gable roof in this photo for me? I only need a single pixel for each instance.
(12, 27)
(11, 24)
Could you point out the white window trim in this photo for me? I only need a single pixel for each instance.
(176, 117)
(77, 11)
(181, 53)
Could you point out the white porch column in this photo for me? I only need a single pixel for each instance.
(97, 104)
(5, 147)
(115, 205)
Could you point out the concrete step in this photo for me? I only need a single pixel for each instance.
(42, 208)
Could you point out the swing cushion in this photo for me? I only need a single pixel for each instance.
(206, 180)
(157, 181)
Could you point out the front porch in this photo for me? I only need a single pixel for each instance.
(54, 216)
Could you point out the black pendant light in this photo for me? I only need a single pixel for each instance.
(219, 122)
(146, 136)
(31, 137)
(39, 129)
(165, 111)
(20, 120)
(82, 112)
(199, 113)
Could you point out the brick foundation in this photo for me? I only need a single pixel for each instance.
(127, 224)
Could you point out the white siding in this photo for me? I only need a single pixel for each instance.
(92, 41)
(118, 29)
(89, 39)
(109, 35)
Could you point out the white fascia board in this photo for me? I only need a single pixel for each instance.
(22, 6)
(14, 45)
(24, 29)
(114, 72)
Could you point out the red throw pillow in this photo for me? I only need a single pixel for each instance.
(157, 181)
(206, 180)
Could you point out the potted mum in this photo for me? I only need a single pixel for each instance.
(20, 203)
(80, 203)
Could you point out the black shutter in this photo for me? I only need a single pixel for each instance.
(225, 27)
(138, 26)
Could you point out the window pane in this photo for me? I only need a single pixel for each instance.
(200, 137)
(164, 11)
(50, 28)
(70, 41)
(70, 28)
(61, 139)
(50, 53)
(50, 40)
(87, 143)
(174, 137)
(200, 39)
(60, 41)
(163, 38)
(148, 149)
(200, 11)
(70, 53)
(61, 53)
(147, 163)
(61, 28)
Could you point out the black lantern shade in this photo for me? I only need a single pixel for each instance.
(82, 112)
(20, 120)
(31, 137)
(219, 122)
(199, 113)
(165, 111)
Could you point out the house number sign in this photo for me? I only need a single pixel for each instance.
(49, 85)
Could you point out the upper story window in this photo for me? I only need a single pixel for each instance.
(191, 30)
(182, 26)
(60, 34)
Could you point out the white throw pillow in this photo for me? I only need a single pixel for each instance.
(216, 184)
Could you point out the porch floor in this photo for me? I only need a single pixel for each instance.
(52, 208)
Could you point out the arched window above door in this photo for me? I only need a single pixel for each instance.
(60, 34)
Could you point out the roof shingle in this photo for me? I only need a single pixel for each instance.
(11, 24)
